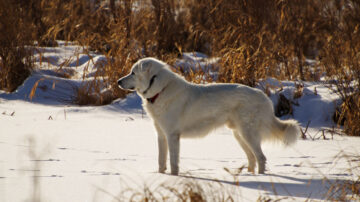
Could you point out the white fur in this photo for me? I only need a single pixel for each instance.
(183, 109)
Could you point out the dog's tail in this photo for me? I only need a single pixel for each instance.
(287, 131)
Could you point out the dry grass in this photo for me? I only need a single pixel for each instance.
(182, 189)
(348, 190)
(253, 39)
(342, 61)
(15, 60)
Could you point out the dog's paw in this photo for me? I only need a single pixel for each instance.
(174, 172)
(162, 170)
(251, 170)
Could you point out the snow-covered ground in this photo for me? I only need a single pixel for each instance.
(54, 151)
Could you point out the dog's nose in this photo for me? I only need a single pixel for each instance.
(119, 82)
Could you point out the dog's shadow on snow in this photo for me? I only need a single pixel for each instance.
(290, 187)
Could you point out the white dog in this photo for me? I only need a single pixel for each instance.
(182, 109)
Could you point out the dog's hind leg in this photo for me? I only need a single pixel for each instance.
(247, 150)
(163, 149)
(174, 150)
(252, 138)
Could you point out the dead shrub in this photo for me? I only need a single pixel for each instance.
(348, 115)
(245, 40)
(341, 60)
(242, 66)
(272, 44)
(15, 56)
(13, 70)
(299, 34)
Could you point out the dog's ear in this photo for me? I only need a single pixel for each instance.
(146, 66)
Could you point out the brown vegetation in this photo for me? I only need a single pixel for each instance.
(15, 61)
(253, 39)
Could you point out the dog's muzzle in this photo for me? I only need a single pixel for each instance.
(119, 82)
(121, 85)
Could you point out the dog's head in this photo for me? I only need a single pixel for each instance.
(145, 77)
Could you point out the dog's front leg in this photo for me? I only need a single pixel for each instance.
(174, 149)
(163, 147)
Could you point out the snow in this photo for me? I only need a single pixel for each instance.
(196, 62)
(57, 151)
(317, 103)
